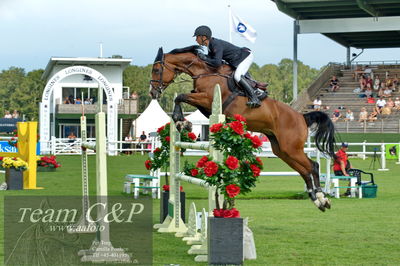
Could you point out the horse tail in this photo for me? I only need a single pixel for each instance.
(324, 131)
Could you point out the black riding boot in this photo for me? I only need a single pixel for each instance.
(253, 102)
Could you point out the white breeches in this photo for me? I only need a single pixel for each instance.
(243, 67)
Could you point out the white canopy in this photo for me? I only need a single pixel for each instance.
(151, 119)
(198, 120)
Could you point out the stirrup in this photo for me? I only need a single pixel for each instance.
(253, 104)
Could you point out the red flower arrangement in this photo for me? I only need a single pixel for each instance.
(239, 169)
(46, 161)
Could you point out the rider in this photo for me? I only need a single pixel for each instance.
(238, 58)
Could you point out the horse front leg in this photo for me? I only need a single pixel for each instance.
(177, 114)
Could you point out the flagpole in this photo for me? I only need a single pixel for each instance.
(230, 23)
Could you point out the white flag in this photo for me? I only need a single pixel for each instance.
(243, 28)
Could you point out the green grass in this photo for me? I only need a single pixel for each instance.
(286, 231)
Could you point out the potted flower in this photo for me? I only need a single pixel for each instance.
(14, 172)
(47, 163)
(159, 159)
(236, 174)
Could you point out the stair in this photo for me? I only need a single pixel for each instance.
(347, 99)
(126, 126)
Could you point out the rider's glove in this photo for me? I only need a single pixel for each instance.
(202, 56)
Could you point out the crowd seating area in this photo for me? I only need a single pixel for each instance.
(353, 93)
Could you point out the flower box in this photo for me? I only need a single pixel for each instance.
(14, 179)
(46, 169)
(164, 205)
(225, 241)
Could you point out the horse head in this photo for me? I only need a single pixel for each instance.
(167, 66)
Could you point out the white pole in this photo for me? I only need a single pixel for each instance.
(383, 158)
(364, 146)
(230, 23)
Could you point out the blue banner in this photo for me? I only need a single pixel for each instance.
(5, 147)
(9, 124)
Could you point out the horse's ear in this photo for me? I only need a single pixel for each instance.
(160, 55)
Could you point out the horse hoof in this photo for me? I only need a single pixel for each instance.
(187, 125)
(179, 125)
(327, 204)
(321, 208)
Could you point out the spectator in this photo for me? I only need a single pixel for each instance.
(379, 105)
(368, 91)
(71, 99)
(87, 101)
(368, 72)
(373, 116)
(377, 83)
(8, 115)
(387, 92)
(369, 82)
(395, 82)
(67, 101)
(334, 84)
(341, 164)
(78, 101)
(71, 137)
(363, 116)
(128, 145)
(15, 114)
(349, 115)
(363, 83)
(397, 103)
(134, 95)
(390, 103)
(389, 81)
(336, 115)
(386, 110)
(317, 104)
(143, 137)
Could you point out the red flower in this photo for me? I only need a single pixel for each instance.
(157, 150)
(210, 168)
(192, 136)
(167, 138)
(215, 128)
(247, 135)
(237, 127)
(201, 162)
(260, 162)
(147, 163)
(233, 213)
(232, 162)
(239, 118)
(255, 169)
(256, 141)
(160, 129)
(232, 190)
(166, 188)
(194, 172)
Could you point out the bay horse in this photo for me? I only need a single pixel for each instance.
(286, 128)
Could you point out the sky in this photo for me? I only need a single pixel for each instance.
(33, 31)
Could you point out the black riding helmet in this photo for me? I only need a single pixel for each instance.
(203, 31)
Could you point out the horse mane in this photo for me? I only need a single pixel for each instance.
(190, 49)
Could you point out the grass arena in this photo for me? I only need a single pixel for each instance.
(287, 228)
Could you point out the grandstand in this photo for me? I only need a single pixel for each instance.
(346, 98)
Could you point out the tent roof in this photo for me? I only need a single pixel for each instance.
(197, 118)
(151, 119)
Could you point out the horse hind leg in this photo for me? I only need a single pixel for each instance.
(321, 196)
(304, 168)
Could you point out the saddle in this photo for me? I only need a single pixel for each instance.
(260, 88)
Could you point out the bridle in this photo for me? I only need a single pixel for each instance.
(161, 84)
